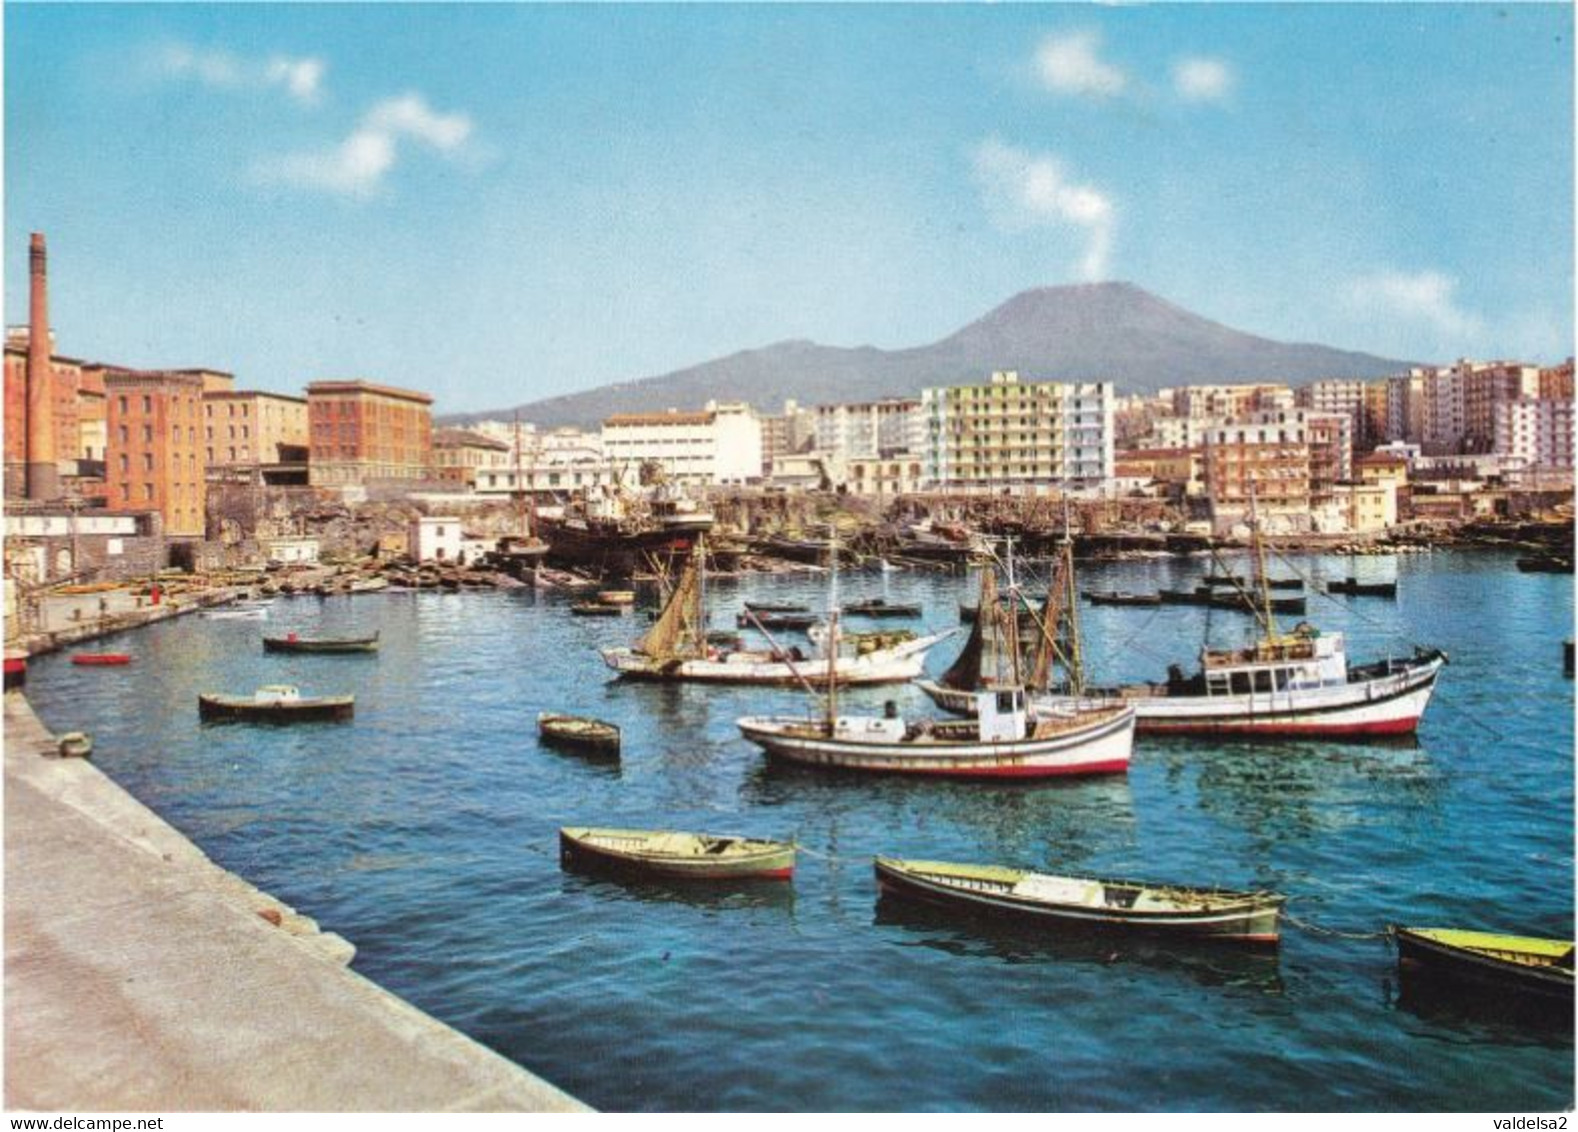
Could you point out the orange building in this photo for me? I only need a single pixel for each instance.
(154, 460)
(360, 432)
(1267, 457)
(65, 382)
(1556, 382)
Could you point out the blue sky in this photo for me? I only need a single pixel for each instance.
(499, 203)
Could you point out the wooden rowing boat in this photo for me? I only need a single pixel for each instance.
(1086, 902)
(687, 856)
(769, 607)
(1355, 588)
(578, 731)
(101, 659)
(1120, 597)
(290, 642)
(754, 619)
(275, 703)
(597, 609)
(881, 607)
(1533, 968)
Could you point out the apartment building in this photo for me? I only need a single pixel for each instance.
(1461, 399)
(248, 429)
(155, 461)
(1019, 436)
(1536, 433)
(721, 444)
(359, 432)
(1264, 457)
(868, 430)
(460, 456)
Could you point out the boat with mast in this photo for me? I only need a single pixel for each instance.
(1283, 685)
(676, 648)
(1002, 740)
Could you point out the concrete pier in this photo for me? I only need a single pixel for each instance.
(141, 977)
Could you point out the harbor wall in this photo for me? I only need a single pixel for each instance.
(141, 977)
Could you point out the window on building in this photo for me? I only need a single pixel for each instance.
(125, 462)
(147, 434)
(147, 491)
(147, 403)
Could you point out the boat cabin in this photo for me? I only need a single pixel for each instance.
(277, 694)
(1289, 664)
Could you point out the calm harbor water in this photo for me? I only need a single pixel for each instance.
(425, 832)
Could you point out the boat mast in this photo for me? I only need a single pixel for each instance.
(520, 488)
(1260, 567)
(832, 629)
(1069, 600)
(1011, 626)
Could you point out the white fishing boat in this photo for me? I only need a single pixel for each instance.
(1282, 685)
(676, 649)
(1002, 741)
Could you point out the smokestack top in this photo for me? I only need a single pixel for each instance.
(38, 239)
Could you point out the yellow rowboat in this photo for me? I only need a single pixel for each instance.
(686, 856)
(1537, 968)
(578, 731)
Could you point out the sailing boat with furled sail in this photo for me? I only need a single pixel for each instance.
(676, 649)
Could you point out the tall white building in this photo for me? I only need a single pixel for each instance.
(869, 429)
(721, 444)
(1537, 432)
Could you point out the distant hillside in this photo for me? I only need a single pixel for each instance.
(1101, 331)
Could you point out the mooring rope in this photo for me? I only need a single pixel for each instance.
(1317, 929)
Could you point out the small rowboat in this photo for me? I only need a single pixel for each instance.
(101, 659)
(15, 671)
(688, 856)
(1121, 597)
(577, 731)
(1355, 588)
(1239, 582)
(290, 642)
(765, 607)
(1085, 902)
(881, 607)
(597, 609)
(1537, 969)
(617, 597)
(752, 619)
(275, 703)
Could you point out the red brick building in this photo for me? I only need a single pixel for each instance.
(358, 432)
(154, 447)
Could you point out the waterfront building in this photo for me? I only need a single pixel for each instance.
(552, 480)
(460, 455)
(1330, 439)
(245, 431)
(791, 432)
(870, 429)
(1178, 432)
(46, 544)
(359, 432)
(1405, 407)
(1365, 508)
(1171, 472)
(1556, 382)
(721, 444)
(291, 551)
(154, 460)
(1536, 433)
(886, 476)
(1348, 396)
(1019, 436)
(1264, 456)
(435, 538)
(1461, 399)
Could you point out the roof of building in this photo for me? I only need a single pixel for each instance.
(671, 417)
(464, 438)
(332, 388)
(151, 377)
(1383, 460)
(243, 394)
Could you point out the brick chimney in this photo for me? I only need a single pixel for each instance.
(43, 474)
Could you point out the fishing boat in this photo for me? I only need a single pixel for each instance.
(881, 607)
(292, 643)
(1282, 685)
(238, 612)
(1237, 581)
(1086, 903)
(578, 731)
(681, 856)
(676, 649)
(1120, 597)
(752, 619)
(597, 609)
(1527, 967)
(1355, 588)
(1243, 602)
(1201, 595)
(1545, 564)
(101, 659)
(769, 607)
(274, 703)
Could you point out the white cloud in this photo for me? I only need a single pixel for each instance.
(1069, 64)
(1202, 80)
(224, 70)
(1424, 299)
(1024, 190)
(359, 164)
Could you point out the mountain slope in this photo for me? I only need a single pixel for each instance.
(1102, 331)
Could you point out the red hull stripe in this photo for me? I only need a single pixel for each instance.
(1110, 766)
(1277, 727)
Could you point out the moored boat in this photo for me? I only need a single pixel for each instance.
(237, 613)
(15, 671)
(580, 732)
(675, 855)
(617, 597)
(1120, 597)
(101, 659)
(881, 607)
(1529, 967)
(1545, 564)
(752, 619)
(274, 703)
(292, 643)
(770, 607)
(1355, 588)
(1086, 903)
(598, 609)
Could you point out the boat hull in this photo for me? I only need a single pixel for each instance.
(884, 666)
(1102, 746)
(1461, 958)
(589, 735)
(775, 861)
(100, 659)
(222, 709)
(1238, 918)
(281, 644)
(1390, 705)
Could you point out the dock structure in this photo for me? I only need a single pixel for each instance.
(140, 976)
